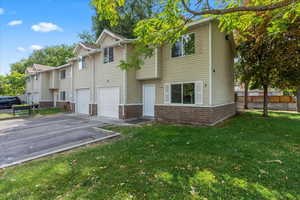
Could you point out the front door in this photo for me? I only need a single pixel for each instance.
(83, 101)
(55, 98)
(148, 99)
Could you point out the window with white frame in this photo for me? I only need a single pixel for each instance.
(62, 95)
(63, 74)
(184, 93)
(184, 46)
(108, 55)
(82, 63)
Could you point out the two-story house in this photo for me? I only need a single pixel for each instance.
(188, 82)
(37, 84)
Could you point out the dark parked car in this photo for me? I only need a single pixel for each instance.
(8, 102)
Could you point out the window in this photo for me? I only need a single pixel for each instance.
(63, 74)
(108, 55)
(183, 93)
(84, 62)
(62, 95)
(184, 46)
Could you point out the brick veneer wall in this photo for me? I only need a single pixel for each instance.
(93, 109)
(194, 115)
(46, 104)
(130, 111)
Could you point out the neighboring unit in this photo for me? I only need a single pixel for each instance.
(188, 82)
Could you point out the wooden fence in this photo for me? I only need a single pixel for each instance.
(272, 99)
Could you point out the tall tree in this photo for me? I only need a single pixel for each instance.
(130, 14)
(52, 56)
(289, 60)
(12, 84)
(243, 73)
(173, 15)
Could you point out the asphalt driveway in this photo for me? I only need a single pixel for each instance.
(26, 139)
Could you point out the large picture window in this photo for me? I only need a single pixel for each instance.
(183, 93)
(108, 55)
(184, 46)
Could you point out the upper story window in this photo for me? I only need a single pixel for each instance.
(108, 54)
(63, 74)
(82, 63)
(184, 46)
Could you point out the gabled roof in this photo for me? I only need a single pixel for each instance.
(30, 70)
(38, 67)
(112, 34)
(86, 46)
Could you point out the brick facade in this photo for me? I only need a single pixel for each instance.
(46, 104)
(93, 109)
(130, 112)
(194, 115)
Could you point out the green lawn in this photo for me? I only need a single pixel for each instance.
(247, 157)
(41, 112)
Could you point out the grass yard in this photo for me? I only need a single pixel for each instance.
(247, 157)
(41, 112)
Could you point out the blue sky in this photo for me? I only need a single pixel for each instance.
(26, 25)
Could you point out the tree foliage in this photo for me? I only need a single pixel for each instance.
(130, 14)
(12, 84)
(51, 56)
(168, 24)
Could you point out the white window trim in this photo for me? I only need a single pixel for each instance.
(65, 74)
(184, 104)
(108, 62)
(60, 99)
(80, 65)
(182, 47)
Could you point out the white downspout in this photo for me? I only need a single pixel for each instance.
(124, 82)
(210, 65)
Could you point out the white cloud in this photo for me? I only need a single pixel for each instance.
(15, 22)
(21, 49)
(36, 47)
(46, 27)
(1, 11)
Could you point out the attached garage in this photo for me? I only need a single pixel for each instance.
(108, 100)
(82, 101)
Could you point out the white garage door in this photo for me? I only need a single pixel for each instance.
(108, 100)
(83, 101)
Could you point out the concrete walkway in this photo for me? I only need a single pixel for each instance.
(27, 139)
